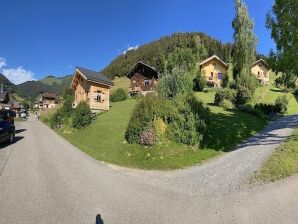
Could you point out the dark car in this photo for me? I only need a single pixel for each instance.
(7, 131)
(7, 115)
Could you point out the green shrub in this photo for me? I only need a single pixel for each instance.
(199, 82)
(189, 123)
(119, 95)
(148, 137)
(244, 95)
(248, 81)
(226, 104)
(82, 115)
(247, 108)
(56, 120)
(160, 127)
(183, 119)
(281, 104)
(266, 108)
(296, 91)
(66, 109)
(142, 117)
(225, 94)
(225, 81)
(176, 82)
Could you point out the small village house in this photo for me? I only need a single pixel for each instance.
(261, 70)
(143, 79)
(16, 107)
(48, 100)
(214, 69)
(93, 88)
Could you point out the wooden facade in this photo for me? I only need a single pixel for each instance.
(214, 70)
(261, 70)
(92, 88)
(143, 79)
(48, 100)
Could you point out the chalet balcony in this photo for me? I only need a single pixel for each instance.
(135, 89)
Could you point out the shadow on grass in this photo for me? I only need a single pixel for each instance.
(277, 90)
(296, 98)
(227, 130)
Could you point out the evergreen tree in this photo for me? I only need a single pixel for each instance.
(245, 40)
(283, 23)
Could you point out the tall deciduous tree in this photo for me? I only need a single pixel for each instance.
(245, 39)
(283, 22)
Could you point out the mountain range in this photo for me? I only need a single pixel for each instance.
(30, 90)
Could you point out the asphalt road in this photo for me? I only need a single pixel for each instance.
(44, 179)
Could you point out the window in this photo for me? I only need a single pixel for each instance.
(97, 96)
(211, 74)
(146, 82)
(219, 76)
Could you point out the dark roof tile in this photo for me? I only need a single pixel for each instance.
(95, 76)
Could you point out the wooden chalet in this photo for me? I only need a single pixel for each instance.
(143, 79)
(214, 69)
(93, 88)
(48, 100)
(261, 70)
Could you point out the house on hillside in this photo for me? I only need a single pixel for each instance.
(48, 100)
(143, 79)
(93, 88)
(261, 70)
(16, 106)
(214, 70)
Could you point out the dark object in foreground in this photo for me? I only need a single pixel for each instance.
(7, 115)
(7, 131)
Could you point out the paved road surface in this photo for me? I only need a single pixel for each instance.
(44, 179)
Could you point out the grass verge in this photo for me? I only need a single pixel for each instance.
(282, 163)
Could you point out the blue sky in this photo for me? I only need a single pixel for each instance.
(51, 37)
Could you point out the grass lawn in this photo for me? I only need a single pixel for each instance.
(282, 163)
(269, 95)
(228, 128)
(120, 82)
(104, 138)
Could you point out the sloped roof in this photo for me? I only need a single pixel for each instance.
(140, 64)
(93, 76)
(258, 61)
(49, 95)
(214, 57)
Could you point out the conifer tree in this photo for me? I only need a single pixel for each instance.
(245, 40)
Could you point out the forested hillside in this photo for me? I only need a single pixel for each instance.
(32, 89)
(156, 52)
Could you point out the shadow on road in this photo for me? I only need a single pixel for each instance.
(98, 219)
(16, 139)
(20, 130)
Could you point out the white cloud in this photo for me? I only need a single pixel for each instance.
(130, 48)
(2, 62)
(18, 75)
(15, 75)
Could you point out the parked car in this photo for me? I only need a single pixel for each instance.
(7, 131)
(7, 115)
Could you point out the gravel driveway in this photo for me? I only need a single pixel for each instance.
(46, 180)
